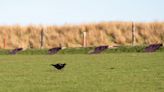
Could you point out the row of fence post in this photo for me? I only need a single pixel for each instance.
(133, 36)
(84, 42)
(42, 39)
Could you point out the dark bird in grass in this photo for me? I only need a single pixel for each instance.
(112, 68)
(58, 66)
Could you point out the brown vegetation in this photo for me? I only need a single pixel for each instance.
(105, 33)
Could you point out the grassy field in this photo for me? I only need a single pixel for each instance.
(113, 72)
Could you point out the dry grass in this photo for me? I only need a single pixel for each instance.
(105, 33)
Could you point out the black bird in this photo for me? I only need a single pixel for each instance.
(112, 68)
(14, 51)
(58, 66)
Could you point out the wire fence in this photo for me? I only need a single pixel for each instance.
(47, 37)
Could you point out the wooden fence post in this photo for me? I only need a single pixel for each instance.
(42, 38)
(101, 35)
(133, 33)
(4, 40)
(84, 39)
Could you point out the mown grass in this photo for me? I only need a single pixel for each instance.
(113, 72)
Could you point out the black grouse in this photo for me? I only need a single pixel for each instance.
(58, 66)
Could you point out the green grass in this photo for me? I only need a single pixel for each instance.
(114, 72)
(121, 49)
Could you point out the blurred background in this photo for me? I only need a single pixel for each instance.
(54, 23)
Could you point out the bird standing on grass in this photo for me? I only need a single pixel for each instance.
(58, 66)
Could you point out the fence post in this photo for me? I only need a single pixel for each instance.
(84, 39)
(101, 35)
(133, 33)
(4, 40)
(42, 38)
